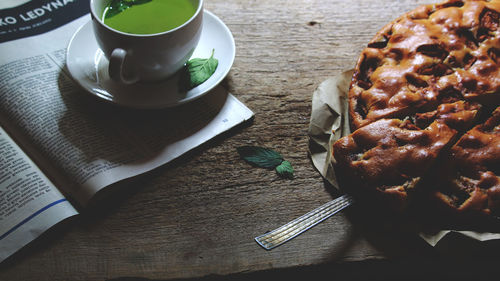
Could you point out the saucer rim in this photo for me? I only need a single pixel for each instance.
(95, 88)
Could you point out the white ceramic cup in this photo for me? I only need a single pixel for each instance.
(146, 57)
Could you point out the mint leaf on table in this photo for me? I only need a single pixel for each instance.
(260, 156)
(201, 69)
(266, 158)
(285, 170)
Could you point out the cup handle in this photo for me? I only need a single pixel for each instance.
(116, 67)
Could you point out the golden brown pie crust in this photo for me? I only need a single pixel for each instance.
(391, 156)
(471, 181)
(418, 88)
(432, 55)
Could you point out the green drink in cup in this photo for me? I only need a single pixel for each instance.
(146, 40)
(147, 16)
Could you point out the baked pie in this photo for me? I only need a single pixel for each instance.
(472, 170)
(392, 156)
(424, 108)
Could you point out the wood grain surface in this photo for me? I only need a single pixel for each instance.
(197, 217)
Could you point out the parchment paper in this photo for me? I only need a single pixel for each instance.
(330, 121)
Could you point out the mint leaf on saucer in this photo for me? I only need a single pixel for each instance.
(201, 69)
(266, 158)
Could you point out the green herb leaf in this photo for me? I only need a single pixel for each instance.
(201, 69)
(118, 6)
(260, 156)
(285, 170)
(138, 2)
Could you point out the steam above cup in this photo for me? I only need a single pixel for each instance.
(146, 57)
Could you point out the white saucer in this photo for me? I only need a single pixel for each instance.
(89, 68)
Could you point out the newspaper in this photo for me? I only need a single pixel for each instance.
(59, 146)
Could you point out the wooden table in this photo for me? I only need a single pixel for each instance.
(197, 217)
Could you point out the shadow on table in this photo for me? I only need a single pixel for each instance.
(405, 269)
